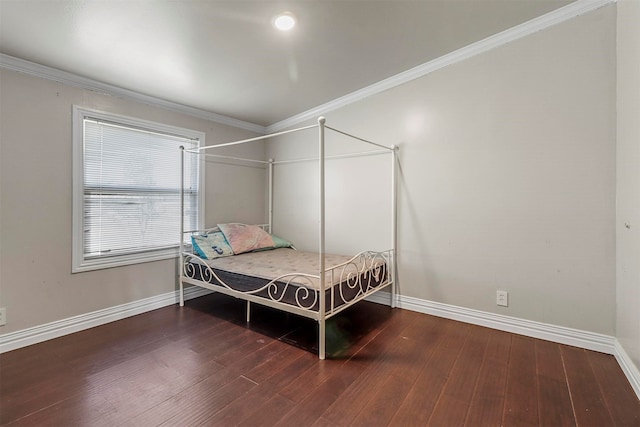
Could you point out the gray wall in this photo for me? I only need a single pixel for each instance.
(508, 181)
(36, 284)
(628, 180)
(507, 178)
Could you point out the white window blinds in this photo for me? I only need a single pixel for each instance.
(131, 190)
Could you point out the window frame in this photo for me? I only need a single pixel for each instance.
(79, 263)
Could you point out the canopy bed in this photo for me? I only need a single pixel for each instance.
(248, 262)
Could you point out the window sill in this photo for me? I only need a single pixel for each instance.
(84, 265)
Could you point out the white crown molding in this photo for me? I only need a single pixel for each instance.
(535, 25)
(37, 334)
(555, 17)
(49, 73)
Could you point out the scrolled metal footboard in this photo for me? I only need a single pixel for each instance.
(363, 274)
(345, 283)
(297, 289)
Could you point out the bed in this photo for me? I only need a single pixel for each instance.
(247, 261)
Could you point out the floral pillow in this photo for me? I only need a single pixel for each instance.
(246, 238)
(211, 246)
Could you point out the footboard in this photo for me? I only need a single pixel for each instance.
(361, 276)
(345, 283)
(294, 292)
(300, 293)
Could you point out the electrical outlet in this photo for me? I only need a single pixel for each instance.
(502, 298)
(3, 316)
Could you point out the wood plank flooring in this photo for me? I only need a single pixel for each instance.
(203, 365)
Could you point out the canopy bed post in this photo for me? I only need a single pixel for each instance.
(394, 222)
(321, 310)
(180, 279)
(270, 196)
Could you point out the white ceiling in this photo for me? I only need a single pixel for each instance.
(224, 57)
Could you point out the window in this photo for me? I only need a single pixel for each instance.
(126, 189)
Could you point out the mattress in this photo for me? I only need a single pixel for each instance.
(296, 276)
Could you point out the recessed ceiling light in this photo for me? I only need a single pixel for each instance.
(285, 21)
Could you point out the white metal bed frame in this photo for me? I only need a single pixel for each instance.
(360, 280)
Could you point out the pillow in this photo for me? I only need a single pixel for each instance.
(211, 246)
(246, 238)
(279, 242)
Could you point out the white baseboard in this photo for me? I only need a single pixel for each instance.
(25, 337)
(588, 340)
(628, 367)
(574, 337)
(530, 328)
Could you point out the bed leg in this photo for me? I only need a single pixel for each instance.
(181, 294)
(394, 282)
(248, 311)
(393, 294)
(321, 338)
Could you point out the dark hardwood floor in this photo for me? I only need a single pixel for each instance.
(202, 365)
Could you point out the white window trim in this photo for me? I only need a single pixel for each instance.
(78, 263)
